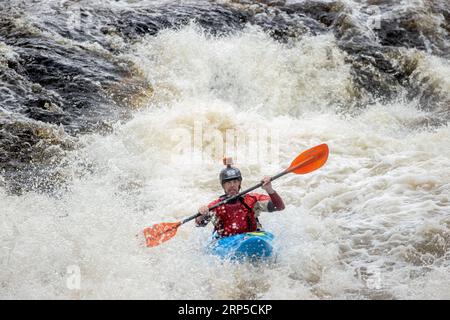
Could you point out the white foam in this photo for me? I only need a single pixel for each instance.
(350, 229)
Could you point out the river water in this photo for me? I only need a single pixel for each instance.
(115, 115)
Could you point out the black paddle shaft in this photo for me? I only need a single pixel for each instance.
(198, 214)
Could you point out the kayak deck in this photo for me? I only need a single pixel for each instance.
(246, 246)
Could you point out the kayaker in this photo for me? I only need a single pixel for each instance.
(240, 215)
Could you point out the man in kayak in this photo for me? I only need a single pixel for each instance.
(240, 215)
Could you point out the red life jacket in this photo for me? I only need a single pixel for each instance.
(237, 217)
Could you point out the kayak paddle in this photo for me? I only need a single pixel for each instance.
(308, 161)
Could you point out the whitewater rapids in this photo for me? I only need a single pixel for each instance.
(373, 223)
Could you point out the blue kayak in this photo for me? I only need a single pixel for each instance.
(251, 246)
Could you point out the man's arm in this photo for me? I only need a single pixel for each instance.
(275, 203)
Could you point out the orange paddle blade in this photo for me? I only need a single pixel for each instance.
(310, 160)
(161, 232)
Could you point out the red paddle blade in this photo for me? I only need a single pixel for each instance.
(161, 232)
(310, 160)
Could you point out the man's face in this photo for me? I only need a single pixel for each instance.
(231, 187)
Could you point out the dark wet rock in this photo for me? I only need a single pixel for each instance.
(49, 83)
(273, 2)
(415, 29)
(70, 79)
(215, 19)
(283, 22)
(31, 154)
(375, 75)
(93, 23)
(324, 12)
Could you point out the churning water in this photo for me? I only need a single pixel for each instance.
(115, 115)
